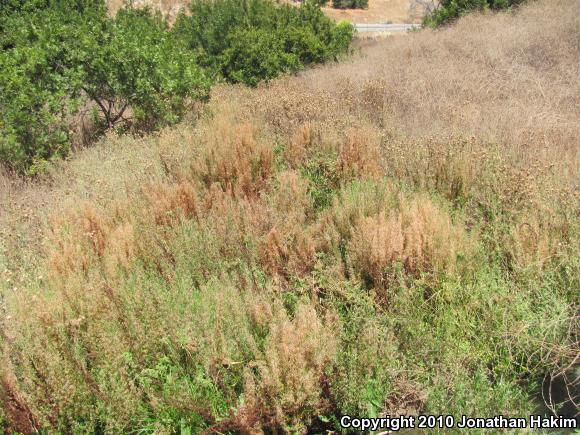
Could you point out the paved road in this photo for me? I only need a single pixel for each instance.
(385, 27)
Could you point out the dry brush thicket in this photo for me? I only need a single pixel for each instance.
(393, 234)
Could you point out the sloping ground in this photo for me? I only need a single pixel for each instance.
(397, 233)
(169, 7)
(383, 11)
(379, 11)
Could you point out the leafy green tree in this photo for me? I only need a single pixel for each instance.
(58, 58)
(39, 83)
(16, 15)
(251, 40)
(206, 30)
(136, 64)
(256, 54)
(33, 110)
(136, 73)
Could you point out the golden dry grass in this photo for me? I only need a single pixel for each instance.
(419, 236)
(502, 78)
(501, 119)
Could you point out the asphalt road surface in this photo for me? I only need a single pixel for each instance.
(385, 27)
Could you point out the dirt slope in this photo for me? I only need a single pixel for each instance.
(379, 11)
(383, 11)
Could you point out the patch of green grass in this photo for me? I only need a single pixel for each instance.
(321, 172)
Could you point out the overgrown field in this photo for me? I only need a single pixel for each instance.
(394, 234)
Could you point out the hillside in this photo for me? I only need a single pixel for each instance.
(392, 234)
(383, 11)
(379, 11)
(169, 7)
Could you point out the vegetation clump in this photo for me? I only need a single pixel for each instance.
(65, 63)
(253, 40)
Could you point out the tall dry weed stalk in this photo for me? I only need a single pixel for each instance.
(79, 235)
(234, 158)
(287, 392)
(359, 156)
(171, 202)
(20, 417)
(300, 144)
(419, 236)
(289, 248)
(536, 241)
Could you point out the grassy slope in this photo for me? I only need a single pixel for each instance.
(397, 233)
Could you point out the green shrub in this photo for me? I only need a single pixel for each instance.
(135, 63)
(38, 84)
(206, 31)
(62, 57)
(58, 56)
(350, 4)
(252, 40)
(449, 10)
(254, 55)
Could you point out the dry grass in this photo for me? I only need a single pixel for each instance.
(287, 394)
(234, 160)
(230, 274)
(359, 156)
(519, 87)
(288, 247)
(419, 236)
(300, 145)
(171, 201)
(20, 418)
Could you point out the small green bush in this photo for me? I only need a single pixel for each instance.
(254, 55)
